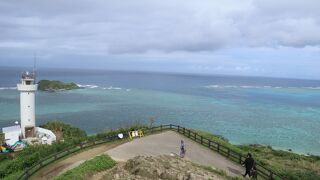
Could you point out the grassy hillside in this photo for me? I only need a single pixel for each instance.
(89, 167)
(68, 136)
(289, 165)
(12, 167)
(46, 85)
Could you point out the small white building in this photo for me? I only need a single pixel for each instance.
(12, 134)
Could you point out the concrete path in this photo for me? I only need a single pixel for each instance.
(169, 143)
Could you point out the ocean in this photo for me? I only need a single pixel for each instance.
(282, 113)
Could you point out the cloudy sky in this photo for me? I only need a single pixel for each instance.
(247, 37)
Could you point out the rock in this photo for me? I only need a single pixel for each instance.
(162, 167)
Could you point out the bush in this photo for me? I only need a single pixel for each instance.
(1, 138)
(69, 133)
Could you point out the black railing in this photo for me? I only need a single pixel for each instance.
(237, 157)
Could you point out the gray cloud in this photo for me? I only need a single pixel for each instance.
(229, 36)
(104, 27)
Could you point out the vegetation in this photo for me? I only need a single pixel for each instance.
(1, 138)
(97, 164)
(66, 132)
(289, 165)
(13, 165)
(13, 168)
(46, 85)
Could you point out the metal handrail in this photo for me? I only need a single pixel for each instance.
(262, 171)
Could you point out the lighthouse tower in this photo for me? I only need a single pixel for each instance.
(27, 89)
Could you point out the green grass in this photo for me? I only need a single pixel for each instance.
(90, 167)
(287, 164)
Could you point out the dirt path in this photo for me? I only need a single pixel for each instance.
(168, 143)
(65, 164)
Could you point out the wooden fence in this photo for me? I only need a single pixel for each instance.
(263, 172)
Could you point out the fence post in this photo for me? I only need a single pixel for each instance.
(271, 175)
(170, 126)
(209, 143)
(27, 174)
(240, 158)
(228, 153)
(189, 133)
(184, 129)
(201, 139)
(218, 147)
(161, 127)
(195, 136)
(178, 128)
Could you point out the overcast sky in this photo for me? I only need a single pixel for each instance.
(238, 37)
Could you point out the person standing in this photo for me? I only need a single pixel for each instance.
(182, 149)
(248, 163)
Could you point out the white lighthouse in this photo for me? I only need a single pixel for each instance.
(27, 89)
(27, 132)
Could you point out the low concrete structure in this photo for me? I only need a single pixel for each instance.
(46, 136)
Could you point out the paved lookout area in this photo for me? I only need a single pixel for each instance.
(168, 143)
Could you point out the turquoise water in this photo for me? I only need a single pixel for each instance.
(285, 117)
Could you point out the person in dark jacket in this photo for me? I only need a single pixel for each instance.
(249, 164)
(182, 149)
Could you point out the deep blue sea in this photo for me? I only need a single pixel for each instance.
(283, 113)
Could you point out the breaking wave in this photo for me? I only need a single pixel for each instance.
(87, 86)
(105, 88)
(7, 88)
(258, 87)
